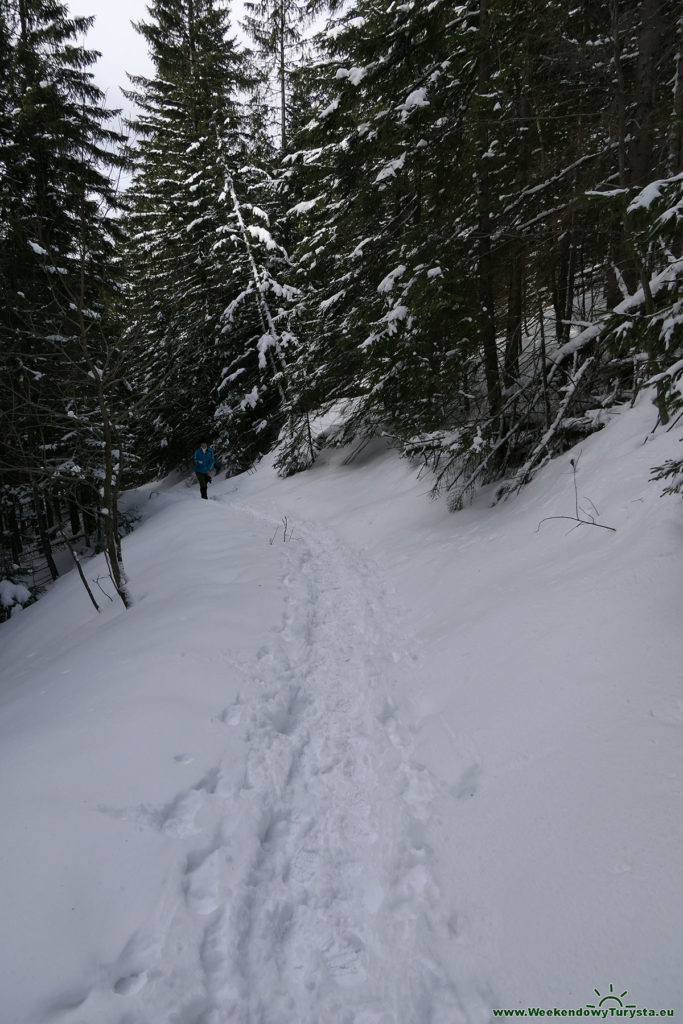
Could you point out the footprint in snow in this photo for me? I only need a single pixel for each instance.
(469, 782)
(231, 715)
(202, 885)
(131, 984)
(178, 818)
(134, 966)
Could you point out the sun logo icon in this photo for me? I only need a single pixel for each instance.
(611, 997)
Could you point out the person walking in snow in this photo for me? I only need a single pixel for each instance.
(203, 466)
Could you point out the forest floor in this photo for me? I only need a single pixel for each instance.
(350, 759)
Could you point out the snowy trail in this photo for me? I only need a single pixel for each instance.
(214, 807)
(304, 892)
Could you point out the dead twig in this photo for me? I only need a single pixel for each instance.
(97, 581)
(582, 517)
(285, 535)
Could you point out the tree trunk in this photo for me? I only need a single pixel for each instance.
(283, 76)
(88, 515)
(642, 128)
(515, 311)
(676, 131)
(569, 286)
(513, 345)
(74, 520)
(637, 138)
(485, 262)
(15, 533)
(45, 546)
(563, 286)
(544, 364)
(23, 21)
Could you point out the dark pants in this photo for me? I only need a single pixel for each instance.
(203, 482)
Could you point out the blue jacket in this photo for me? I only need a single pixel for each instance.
(203, 460)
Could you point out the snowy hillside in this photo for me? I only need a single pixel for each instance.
(350, 759)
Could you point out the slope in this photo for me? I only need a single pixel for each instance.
(371, 763)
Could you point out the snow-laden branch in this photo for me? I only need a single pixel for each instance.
(632, 302)
(270, 340)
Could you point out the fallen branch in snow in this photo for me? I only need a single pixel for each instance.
(579, 522)
(590, 520)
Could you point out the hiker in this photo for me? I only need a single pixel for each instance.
(203, 465)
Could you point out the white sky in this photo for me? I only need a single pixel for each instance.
(123, 50)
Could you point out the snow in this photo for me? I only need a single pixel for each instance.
(328, 303)
(388, 282)
(304, 207)
(673, 371)
(651, 193)
(330, 109)
(265, 342)
(354, 75)
(644, 200)
(12, 594)
(631, 302)
(352, 23)
(262, 235)
(389, 170)
(417, 98)
(397, 312)
(358, 251)
(258, 212)
(195, 223)
(350, 759)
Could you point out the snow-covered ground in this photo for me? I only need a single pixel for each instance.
(393, 766)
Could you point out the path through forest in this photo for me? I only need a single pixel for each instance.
(302, 889)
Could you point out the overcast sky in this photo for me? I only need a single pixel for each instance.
(121, 47)
(113, 35)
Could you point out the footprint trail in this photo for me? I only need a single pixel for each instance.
(304, 892)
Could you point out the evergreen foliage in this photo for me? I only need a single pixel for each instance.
(57, 463)
(276, 27)
(466, 196)
(464, 234)
(194, 318)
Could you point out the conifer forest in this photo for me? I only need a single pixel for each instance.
(455, 225)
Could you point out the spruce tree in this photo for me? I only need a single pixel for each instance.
(195, 313)
(55, 277)
(463, 196)
(276, 27)
(386, 318)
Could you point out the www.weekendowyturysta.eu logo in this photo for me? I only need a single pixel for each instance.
(611, 999)
(610, 1004)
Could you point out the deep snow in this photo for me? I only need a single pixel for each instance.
(400, 767)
